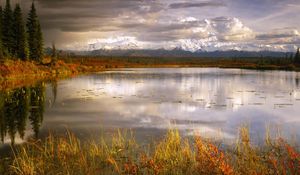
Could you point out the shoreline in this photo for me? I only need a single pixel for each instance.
(171, 154)
(15, 73)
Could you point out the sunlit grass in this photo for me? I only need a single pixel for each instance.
(171, 155)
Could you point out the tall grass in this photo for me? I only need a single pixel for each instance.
(171, 155)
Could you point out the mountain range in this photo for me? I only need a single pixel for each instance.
(179, 53)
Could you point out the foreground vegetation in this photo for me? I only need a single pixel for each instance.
(171, 155)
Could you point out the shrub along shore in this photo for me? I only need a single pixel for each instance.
(17, 73)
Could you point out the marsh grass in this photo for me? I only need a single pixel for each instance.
(171, 155)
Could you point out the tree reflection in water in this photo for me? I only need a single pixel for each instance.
(19, 105)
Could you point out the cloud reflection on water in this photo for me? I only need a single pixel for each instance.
(203, 100)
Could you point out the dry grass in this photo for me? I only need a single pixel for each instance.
(172, 155)
(16, 73)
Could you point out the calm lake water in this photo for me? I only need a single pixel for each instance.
(207, 101)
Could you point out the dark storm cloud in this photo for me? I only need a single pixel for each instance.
(91, 15)
(165, 31)
(280, 36)
(101, 17)
(161, 27)
(199, 4)
(154, 21)
(273, 36)
(255, 9)
(221, 19)
(292, 42)
(86, 3)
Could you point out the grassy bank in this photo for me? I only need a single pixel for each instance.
(15, 73)
(16, 69)
(171, 155)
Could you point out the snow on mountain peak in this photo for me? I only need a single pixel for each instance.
(114, 43)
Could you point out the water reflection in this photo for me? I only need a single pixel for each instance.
(210, 102)
(37, 102)
(17, 107)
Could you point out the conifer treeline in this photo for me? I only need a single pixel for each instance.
(297, 56)
(17, 40)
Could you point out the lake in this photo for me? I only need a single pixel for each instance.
(210, 102)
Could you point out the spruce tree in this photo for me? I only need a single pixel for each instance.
(297, 56)
(40, 45)
(291, 57)
(7, 29)
(35, 38)
(54, 54)
(1, 44)
(19, 34)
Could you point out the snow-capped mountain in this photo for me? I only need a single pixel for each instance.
(130, 43)
(117, 43)
(210, 44)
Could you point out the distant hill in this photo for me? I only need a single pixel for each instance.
(177, 53)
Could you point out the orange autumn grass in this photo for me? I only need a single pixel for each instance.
(171, 155)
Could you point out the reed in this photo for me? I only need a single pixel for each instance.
(171, 155)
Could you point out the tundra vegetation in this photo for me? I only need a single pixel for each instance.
(173, 154)
(23, 61)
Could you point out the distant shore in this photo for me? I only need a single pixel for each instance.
(165, 62)
(15, 73)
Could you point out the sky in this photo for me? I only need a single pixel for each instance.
(168, 24)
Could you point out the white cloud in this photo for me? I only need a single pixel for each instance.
(187, 33)
(229, 29)
(193, 34)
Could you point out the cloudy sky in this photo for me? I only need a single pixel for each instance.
(188, 24)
